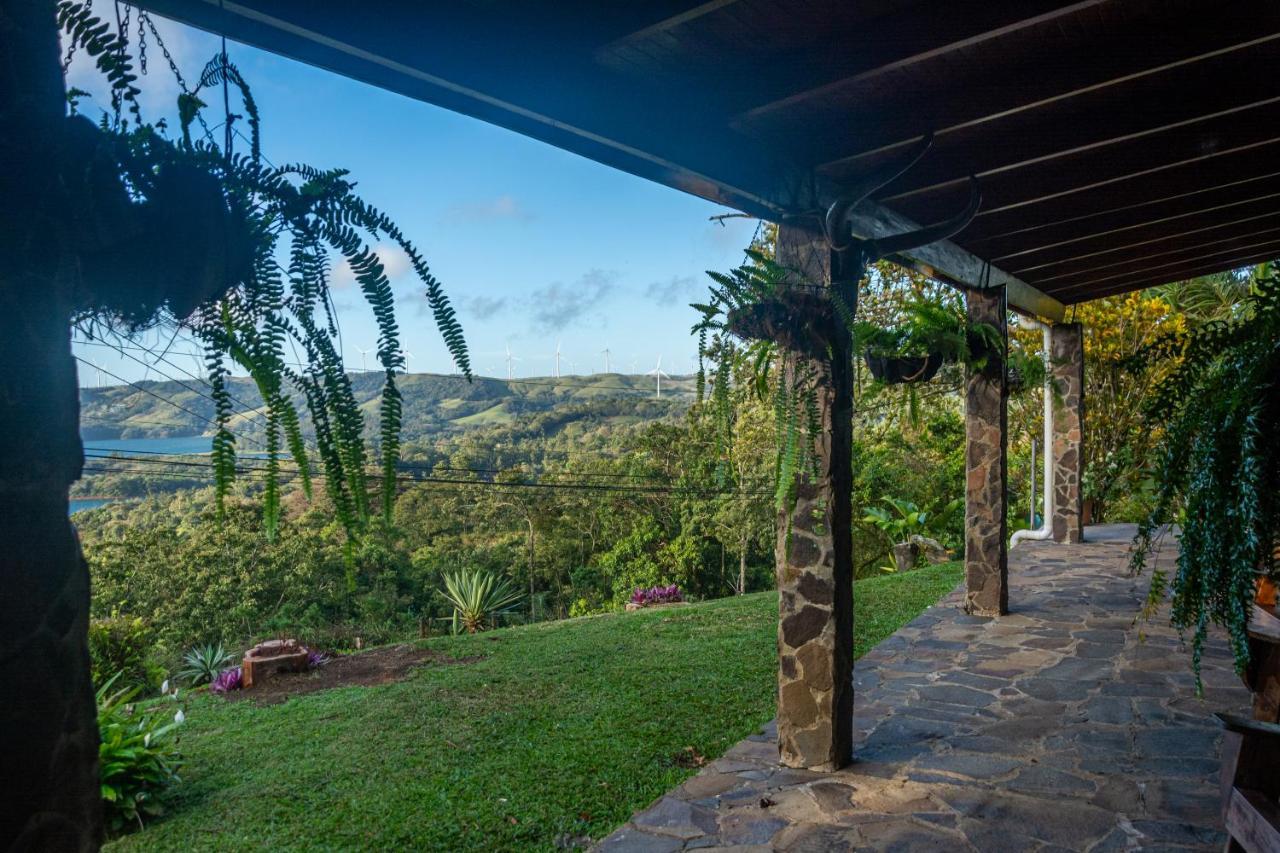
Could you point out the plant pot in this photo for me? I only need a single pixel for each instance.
(897, 370)
(1267, 593)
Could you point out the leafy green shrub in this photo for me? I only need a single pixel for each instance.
(137, 754)
(121, 645)
(203, 663)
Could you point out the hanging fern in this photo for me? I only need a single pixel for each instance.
(196, 231)
(791, 386)
(1218, 469)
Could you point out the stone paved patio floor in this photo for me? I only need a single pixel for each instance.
(1058, 727)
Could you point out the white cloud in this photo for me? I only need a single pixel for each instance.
(558, 305)
(502, 207)
(679, 288)
(395, 263)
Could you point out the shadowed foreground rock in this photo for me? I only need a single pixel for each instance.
(1053, 728)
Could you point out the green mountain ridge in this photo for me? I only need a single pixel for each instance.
(434, 404)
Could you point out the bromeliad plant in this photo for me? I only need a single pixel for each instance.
(237, 250)
(478, 599)
(669, 594)
(1218, 469)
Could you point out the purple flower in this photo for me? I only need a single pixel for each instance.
(315, 660)
(228, 680)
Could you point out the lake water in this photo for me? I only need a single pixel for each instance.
(176, 444)
(78, 504)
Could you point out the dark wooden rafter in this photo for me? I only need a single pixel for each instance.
(1063, 68)
(893, 43)
(1217, 222)
(1234, 248)
(1221, 179)
(617, 52)
(1094, 268)
(1097, 159)
(1179, 274)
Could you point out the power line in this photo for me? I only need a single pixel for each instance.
(506, 484)
(164, 399)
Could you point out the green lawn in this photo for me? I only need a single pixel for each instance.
(561, 731)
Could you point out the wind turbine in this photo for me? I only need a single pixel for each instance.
(364, 364)
(657, 374)
(606, 360)
(405, 353)
(557, 359)
(511, 359)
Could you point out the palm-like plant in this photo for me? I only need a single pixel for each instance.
(903, 521)
(478, 598)
(204, 663)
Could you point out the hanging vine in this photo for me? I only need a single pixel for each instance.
(238, 250)
(1218, 469)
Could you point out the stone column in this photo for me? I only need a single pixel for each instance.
(814, 557)
(48, 721)
(986, 555)
(1067, 358)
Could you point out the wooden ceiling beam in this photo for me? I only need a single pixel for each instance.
(883, 46)
(865, 120)
(1074, 137)
(1248, 215)
(614, 53)
(1114, 260)
(1142, 283)
(1204, 183)
(1262, 243)
(1129, 160)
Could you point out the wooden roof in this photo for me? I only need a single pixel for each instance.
(1119, 143)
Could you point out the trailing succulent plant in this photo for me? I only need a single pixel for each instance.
(1218, 468)
(237, 250)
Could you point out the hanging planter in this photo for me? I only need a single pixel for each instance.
(902, 369)
(927, 334)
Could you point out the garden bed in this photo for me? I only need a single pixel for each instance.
(375, 666)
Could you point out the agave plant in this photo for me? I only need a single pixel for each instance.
(203, 664)
(478, 598)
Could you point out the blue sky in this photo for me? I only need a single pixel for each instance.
(534, 245)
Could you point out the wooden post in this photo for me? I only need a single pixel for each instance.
(814, 554)
(1066, 345)
(986, 550)
(48, 721)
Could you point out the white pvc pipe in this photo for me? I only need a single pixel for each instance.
(1045, 530)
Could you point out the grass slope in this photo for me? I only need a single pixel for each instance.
(559, 732)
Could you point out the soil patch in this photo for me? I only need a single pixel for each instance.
(376, 666)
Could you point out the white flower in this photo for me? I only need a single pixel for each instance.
(179, 717)
(164, 688)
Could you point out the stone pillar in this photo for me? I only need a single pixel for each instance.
(986, 554)
(814, 557)
(1067, 359)
(48, 721)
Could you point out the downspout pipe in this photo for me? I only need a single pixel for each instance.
(1045, 530)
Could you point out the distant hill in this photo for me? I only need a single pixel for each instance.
(433, 403)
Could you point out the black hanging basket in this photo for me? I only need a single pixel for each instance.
(897, 370)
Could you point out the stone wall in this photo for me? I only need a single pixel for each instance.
(986, 556)
(1067, 358)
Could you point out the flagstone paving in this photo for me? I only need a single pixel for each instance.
(1061, 726)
